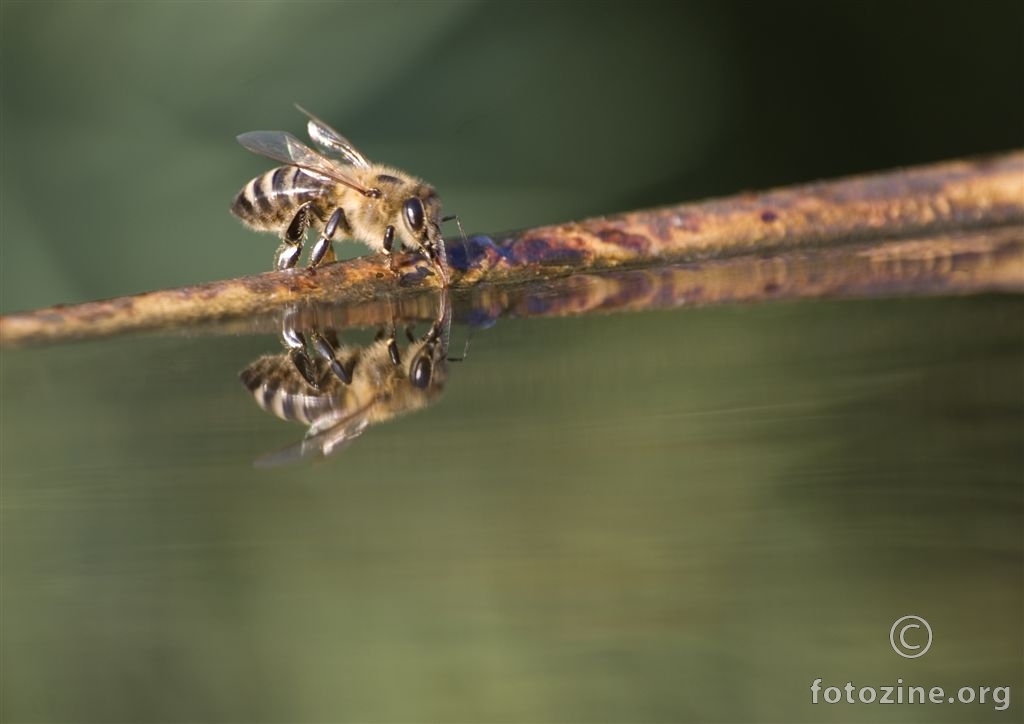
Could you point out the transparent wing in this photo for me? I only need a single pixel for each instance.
(284, 147)
(330, 140)
(322, 439)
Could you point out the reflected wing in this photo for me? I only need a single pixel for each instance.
(284, 147)
(337, 436)
(330, 140)
(323, 438)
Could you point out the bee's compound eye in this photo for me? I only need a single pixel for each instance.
(413, 209)
(421, 370)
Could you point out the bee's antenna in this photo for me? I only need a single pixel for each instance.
(444, 320)
(444, 310)
(458, 222)
(442, 255)
(465, 350)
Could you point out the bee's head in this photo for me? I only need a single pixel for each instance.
(421, 212)
(421, 215)
(427, 359)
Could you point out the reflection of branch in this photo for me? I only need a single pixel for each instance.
(933, 205)
(969, 262)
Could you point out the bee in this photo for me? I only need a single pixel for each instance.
(342, 196)
(341, 390)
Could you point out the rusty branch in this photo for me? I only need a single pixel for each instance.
(985, 260)
(959, 224)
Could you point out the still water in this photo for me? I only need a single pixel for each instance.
(683, 515)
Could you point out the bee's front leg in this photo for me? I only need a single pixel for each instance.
(436, 260)
(291, 240)
(323, 248)
(389, 242)
(390, 333)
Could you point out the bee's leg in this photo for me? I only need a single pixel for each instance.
(389, 242)
(437, 260)
(391, 335)
(323, 249)
(291, 337)
(434, 333)
(293, 340)
(305, 366)
(396, 359)
(326, 350)
(291, 239)
(329, 257)
(287, 255)
(332, 337)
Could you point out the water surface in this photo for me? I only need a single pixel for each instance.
(680, 515)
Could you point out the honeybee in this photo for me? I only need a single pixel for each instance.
(346, 196)
(341, 390)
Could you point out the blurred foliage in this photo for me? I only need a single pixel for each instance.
(118, 125)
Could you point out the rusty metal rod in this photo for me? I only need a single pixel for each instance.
(928, 203)
(971, 262)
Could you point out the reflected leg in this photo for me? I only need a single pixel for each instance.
(293, 340)
(326, 350)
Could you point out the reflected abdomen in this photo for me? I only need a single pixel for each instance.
(280, 389)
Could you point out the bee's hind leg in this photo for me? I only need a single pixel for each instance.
(295, 343)
(323, 250)
(325, 348)
(323, 345)
(291, 240)
(286, 256)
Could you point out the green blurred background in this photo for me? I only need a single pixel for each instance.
(119, 119)
(670, 516)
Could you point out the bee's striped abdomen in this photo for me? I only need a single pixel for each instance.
(269, 201)
(279, 389)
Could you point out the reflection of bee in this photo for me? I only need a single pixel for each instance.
(342, 390)
(370, 203)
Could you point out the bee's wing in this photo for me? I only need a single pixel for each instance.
(339, 435)
(324, 438)
(330, 140)
(284, 147)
